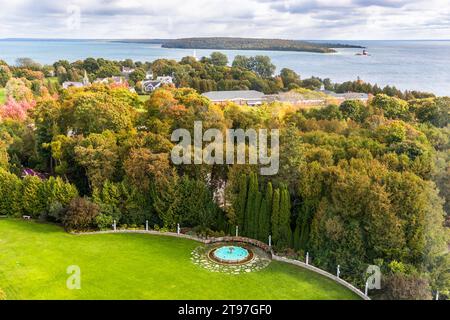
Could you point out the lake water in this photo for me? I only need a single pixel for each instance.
(409, 65)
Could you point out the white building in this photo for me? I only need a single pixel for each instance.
(127, 71)
(84, 83)
(151, 85)
(241, 97)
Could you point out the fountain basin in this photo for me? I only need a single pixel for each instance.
(231, 254)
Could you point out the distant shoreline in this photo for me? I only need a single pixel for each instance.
(159, 40)
(225, 43)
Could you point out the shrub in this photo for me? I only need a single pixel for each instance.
(406, 287)
(58, 195)
(11, 194)
(81, 215)
(56, 210)
(34, 203)
(104, 221)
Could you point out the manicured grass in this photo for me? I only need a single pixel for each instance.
(34, 258)
(2, 95)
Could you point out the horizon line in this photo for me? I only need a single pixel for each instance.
(159, 38)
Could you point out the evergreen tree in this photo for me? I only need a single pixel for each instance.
(304, 223)
(275, 218)
(109, 199)
(265, 214)
(256, 215)
(285, 232)
(261, 220)
(251, 206)
(57, 193)
(297, 236)
(33, 203)
(241, 201)
(10, 191)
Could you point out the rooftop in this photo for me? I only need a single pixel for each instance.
(234, 95)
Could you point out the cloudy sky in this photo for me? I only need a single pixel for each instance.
(290, 19)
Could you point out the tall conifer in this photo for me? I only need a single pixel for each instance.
(275, 217)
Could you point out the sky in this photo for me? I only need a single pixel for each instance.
(286, 19)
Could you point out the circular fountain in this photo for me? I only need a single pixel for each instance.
(231, 254)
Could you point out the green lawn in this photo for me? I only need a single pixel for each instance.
(2, 95)
(34, 258)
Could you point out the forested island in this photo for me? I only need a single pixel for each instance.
(229, 43)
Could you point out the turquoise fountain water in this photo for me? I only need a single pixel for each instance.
(231, 254)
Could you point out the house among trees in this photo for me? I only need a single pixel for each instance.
(126, 71)
(150, 85)
(84, 83)
(111, 80)
(240, 97)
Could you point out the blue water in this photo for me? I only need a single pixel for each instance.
(409, 65)
(231, 253)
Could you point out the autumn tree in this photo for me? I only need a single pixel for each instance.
(85, 112)
(98, 154)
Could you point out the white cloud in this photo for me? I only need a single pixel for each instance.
(297, 19)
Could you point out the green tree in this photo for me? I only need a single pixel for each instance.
(285, 232)
(57, 194)
(11, 194)
(353, 109)
(5, 75)
(138, 75)
(90, 65)
(107, 71)
(289, 77)
(392, 107)
(265, 213)
(252, 206)
(98, 154)
(275, 217)
(241, 201)
(87, 112)
(263, 66)
(197, 207)
(34, 200)
(219, 59)
(242, 62)
(296, 237)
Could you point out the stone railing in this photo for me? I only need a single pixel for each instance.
(322, 272)
(153, 232)
(253, 242)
